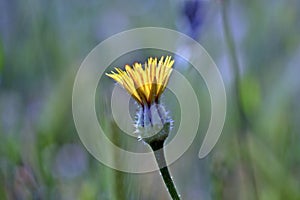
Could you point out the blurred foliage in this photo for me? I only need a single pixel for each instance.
(42, 44)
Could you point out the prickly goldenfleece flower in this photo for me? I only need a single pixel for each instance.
(146, 85)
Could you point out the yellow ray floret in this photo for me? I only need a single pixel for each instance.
(146, 84)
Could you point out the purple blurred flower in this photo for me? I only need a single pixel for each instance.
(193, 13)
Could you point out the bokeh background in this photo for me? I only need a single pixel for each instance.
(256, 45)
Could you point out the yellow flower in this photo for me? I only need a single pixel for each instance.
(145, 85)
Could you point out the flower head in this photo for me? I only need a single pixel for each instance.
(145, 85)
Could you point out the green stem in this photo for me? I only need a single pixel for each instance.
(244, 121)
(156, 143)
(236, 68)
(158, 150)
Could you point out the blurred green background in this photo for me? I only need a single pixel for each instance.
(256, 45)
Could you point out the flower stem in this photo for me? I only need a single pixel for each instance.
(164, 171)
(156, 143)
